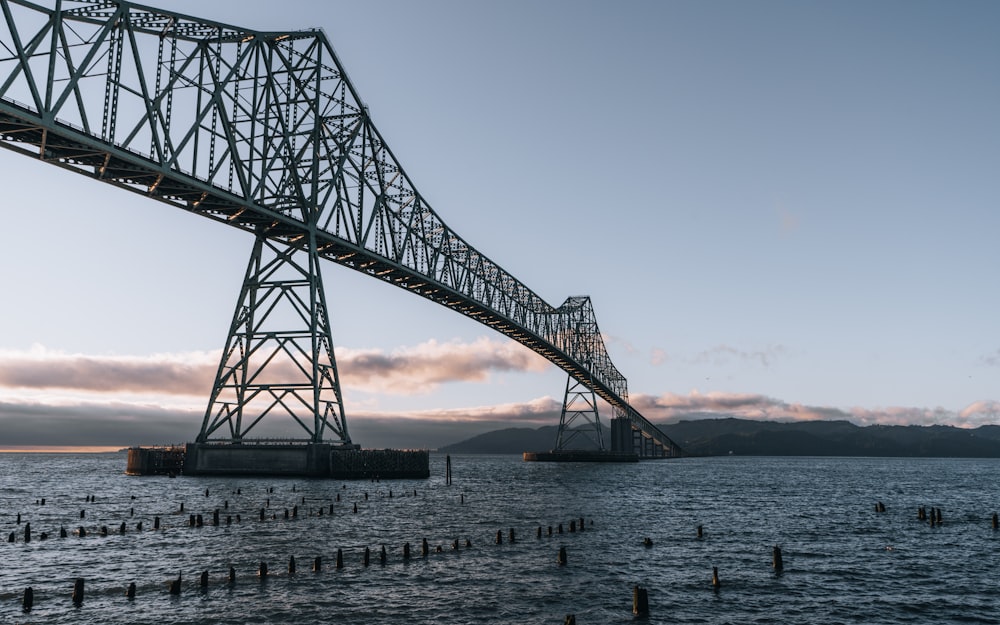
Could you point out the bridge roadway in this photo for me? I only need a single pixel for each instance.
(388, 232)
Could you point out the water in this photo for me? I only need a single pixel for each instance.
(843, 561)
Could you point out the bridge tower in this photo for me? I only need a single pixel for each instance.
(278, 362)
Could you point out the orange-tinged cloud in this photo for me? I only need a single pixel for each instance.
(405, 371)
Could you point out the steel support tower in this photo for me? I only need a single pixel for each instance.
(263, 131)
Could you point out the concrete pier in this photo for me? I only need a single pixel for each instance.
(283, 459)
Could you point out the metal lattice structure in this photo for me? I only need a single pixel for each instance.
(263, 131)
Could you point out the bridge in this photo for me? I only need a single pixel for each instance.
(263, 131)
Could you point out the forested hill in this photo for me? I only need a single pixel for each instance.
(716, 437)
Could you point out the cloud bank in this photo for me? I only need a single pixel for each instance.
(53, 398)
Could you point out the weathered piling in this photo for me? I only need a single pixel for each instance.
(640, 601)
(175, 586)
(27, 532)
(561, 558)
(715, 578)
(423, 547)
(262, 570)
(318, 564)
(996, 521)
(156, 522)
(570, 619)
(382, 555)
(130, 591)
(700, 532)
(367, 556)
(203, 581)
(28, 600)
(232, 574)
(447, 470)
(647, 542)
(291, 565)
(406, 551)
(78, 592)
(499, 538)
(340, 558)
(776, 561)
(510, 536)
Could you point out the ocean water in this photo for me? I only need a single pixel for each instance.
(844, 562)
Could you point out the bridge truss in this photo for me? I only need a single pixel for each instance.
(264, 132)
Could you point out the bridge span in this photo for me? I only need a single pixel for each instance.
(263, 131)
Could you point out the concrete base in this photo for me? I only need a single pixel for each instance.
(266, 459)
(573, 455)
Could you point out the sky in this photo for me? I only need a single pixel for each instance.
(780, 210)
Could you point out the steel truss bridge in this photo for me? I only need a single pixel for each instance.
(264, 132)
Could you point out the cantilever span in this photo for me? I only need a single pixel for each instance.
(264, 132)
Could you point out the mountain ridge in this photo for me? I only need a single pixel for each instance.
(748, 437)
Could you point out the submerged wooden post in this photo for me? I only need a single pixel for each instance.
(996, 521)
(640, 601)
(78, 591)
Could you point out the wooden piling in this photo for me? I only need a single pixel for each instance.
(776, 561)
(232, 574)
(156, 522)
(27, 532)
(291, 565)
(78, 592)
(28, 600)
(203, 582)
(406, 551)
(130, 591)
(367, 557)
(561, 558)
(423, 547)
(175, 586)
(340, 558)
(647, 542)
(715, 578)
(510, 535)
(996, 521)
(318, 564)
(447, 470)
(700, 532)
(640, 601)
(262, 570)
(570, 619)
(382, 556)
(499, 539)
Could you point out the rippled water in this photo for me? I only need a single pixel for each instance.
(843, 561)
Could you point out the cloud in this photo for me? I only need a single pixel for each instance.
(123, 424)
(673, 407)
(407, 371)
(993, 359)
(724, 354)
(421, 369)
(41, 368)
(658, 357)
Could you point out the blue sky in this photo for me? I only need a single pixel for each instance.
(780, 210)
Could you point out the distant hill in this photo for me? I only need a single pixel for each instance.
(745, 437)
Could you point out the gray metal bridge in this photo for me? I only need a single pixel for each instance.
(264, 132)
